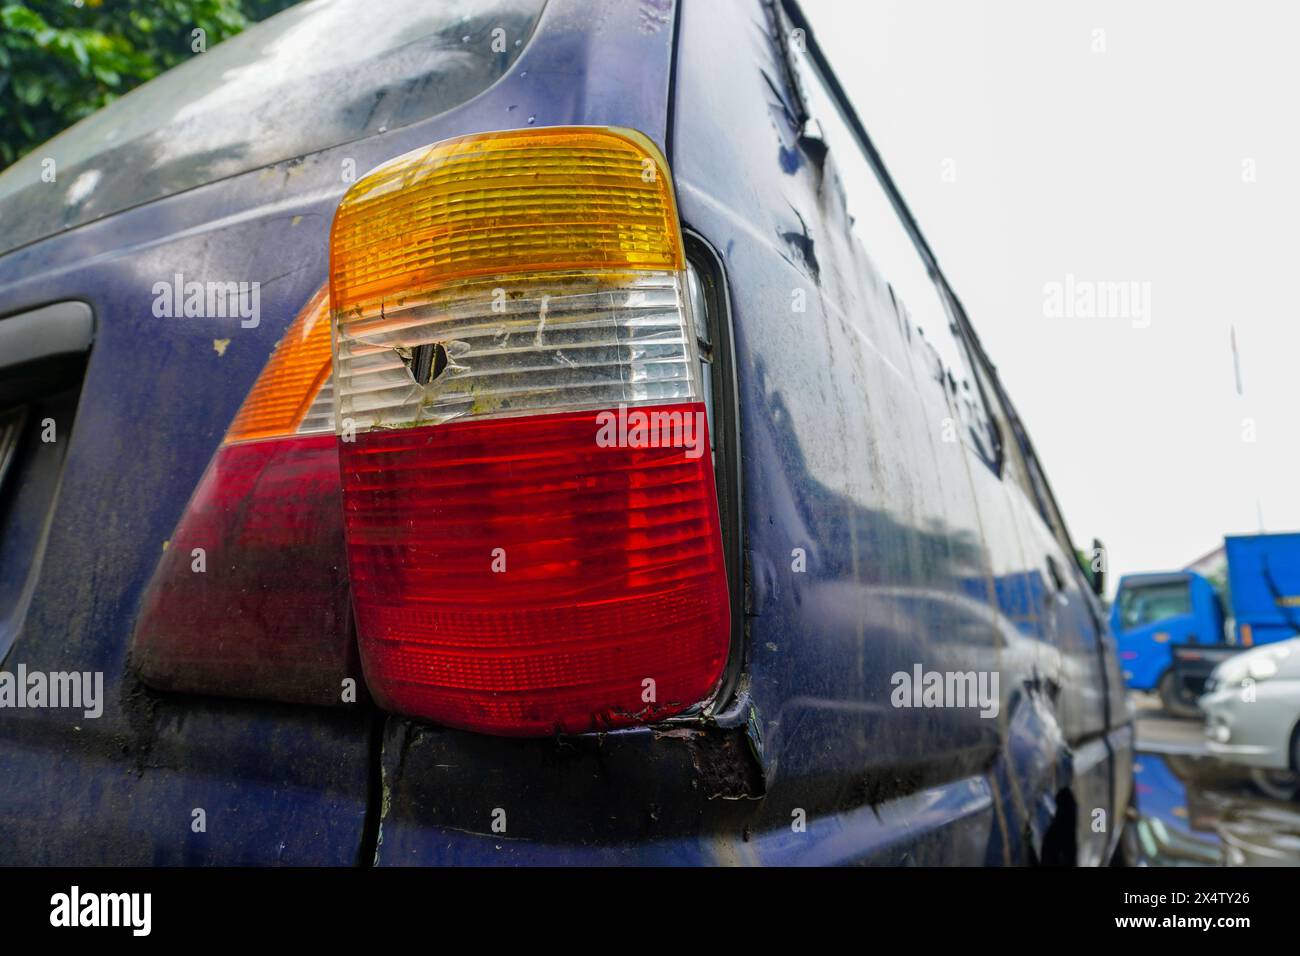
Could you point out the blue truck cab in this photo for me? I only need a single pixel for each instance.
(1154, 612)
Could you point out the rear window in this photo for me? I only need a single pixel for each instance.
(317, 75)
(1148, 603)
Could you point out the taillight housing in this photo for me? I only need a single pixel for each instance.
(250, 595)
(528, 491)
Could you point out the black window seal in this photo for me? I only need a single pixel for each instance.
(729, 704)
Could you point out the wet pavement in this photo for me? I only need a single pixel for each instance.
(1194, 810)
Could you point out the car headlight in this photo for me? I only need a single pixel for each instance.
(1228, 674)
(1256, 665)
(1262, 669)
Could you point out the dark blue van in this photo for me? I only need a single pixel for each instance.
(508, 431)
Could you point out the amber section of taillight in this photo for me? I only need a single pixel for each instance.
(292, 379)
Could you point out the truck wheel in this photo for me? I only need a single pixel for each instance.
(1171, 700)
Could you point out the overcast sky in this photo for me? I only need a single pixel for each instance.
(1153, 142)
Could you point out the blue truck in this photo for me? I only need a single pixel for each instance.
(1173, 627)
(325, 360)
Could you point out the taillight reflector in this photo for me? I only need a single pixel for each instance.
(250, 597)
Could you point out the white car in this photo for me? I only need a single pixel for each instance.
(1252, 714)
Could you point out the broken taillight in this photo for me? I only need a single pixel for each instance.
(250, 597)
(531, 519)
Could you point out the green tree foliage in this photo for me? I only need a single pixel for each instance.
(60, 60)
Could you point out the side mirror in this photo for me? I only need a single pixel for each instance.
(1097, 568)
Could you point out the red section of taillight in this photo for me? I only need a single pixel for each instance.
(512, 576)
(263, 612)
